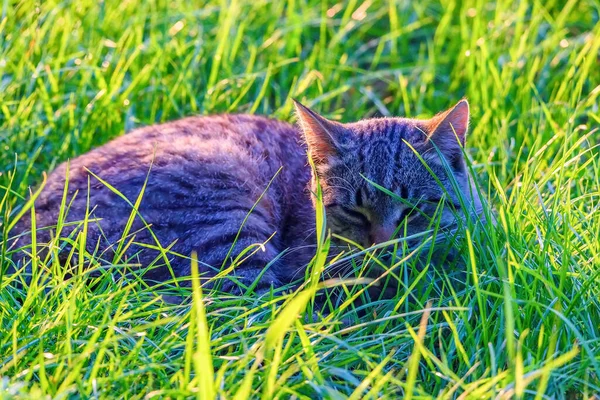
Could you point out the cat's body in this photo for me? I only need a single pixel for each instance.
(203, 175)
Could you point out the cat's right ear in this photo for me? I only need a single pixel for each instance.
(447, 132)
(322, 135)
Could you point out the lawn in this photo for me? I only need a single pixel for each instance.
(526, 321)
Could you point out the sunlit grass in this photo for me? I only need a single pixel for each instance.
(522, 319)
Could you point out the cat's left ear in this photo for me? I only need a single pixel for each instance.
(448, 131)
(322, 135)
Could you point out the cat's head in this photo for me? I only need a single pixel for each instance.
(414, 163)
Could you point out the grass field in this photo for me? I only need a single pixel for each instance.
(75, 74)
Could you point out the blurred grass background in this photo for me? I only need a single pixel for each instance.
(75, 74)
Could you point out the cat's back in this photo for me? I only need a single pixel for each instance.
(198, 179)
(227, 136)
(245, 147)
(215, 163)
(252, 134)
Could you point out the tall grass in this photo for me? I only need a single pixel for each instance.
(523, 319)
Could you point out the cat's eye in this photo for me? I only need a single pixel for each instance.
(357, 215)
(435, 201)
(405, 213)
(408, 211)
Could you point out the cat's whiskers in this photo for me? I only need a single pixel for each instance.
(349, 190)
(344, 180)
(309, 233)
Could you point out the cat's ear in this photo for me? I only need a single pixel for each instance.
(448, 131)
(322, 135)
(450, 127)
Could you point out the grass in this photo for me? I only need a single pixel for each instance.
(526, 321)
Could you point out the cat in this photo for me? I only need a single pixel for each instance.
(201, 177)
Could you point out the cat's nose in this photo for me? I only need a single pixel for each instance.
(381, 234)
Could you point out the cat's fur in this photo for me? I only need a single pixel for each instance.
(202, 176)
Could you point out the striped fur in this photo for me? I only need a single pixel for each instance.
(416, 160)
(203, 175)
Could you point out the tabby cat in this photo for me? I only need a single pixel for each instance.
(200, 177)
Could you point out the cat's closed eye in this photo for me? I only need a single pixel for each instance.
(356, 215)
(405, 213)
(410, 211)
(443, 200)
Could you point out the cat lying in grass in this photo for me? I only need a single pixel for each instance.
(216, 185)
